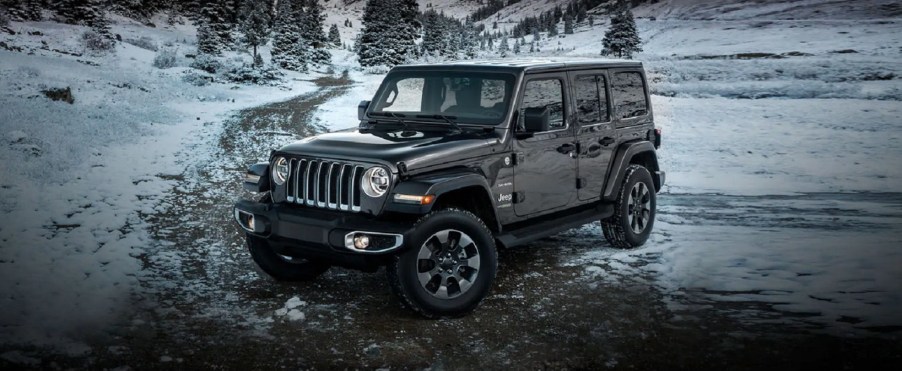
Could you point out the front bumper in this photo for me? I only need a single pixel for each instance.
(322, 234)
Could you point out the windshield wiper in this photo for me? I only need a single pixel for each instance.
(448, 119)
(398, 116)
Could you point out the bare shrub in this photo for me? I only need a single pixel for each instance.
(96, 43)
(206, 62)
(166, 58)
(144, 42)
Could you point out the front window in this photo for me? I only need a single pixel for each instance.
(467, 97)
(546, 94)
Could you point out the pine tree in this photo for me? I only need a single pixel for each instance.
(535, 34)
(468, 40)
(591, 21)
(23, 10)
(517, 47)
(101, 25)
(334, 35)
(409, 27)
(432, 33)
(622, 38)
(568, 24)
(254, 25)
(384, 39)
(581, 13)
(289, 50)
(76, 11)
(503, 48)
(214, 28)
(311, 20)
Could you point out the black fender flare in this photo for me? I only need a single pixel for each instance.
(622, 159)
(437, 184)
(261, 170)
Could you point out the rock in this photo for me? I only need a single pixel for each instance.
(60, 94)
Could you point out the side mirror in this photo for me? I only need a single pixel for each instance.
(361, 109)
(536, 119)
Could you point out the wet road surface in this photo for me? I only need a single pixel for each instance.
(568, 301)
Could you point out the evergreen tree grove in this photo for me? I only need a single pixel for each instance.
(387, 37)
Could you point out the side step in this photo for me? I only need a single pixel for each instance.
(526, 232)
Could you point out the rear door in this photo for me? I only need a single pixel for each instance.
(596, 134)
(545, 174)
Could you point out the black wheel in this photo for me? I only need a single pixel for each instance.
(448, 267)
(281, 267)
(634, 212)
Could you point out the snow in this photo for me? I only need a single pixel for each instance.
(291, 310)
(78, 178)
(763, 103)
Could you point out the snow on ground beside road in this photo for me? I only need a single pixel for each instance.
(78, 178)
(779, 113)
(781, 146)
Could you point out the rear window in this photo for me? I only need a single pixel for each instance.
(628, 91)
(591, 102)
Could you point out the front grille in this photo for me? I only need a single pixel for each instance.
(324, 184)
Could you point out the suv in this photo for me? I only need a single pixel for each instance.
(451, 161)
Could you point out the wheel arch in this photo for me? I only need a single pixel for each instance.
(637, 152)
(465, 189)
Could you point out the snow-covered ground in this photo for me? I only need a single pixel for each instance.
(77, 178)
(788, 129)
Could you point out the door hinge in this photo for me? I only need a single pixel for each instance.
(517, 158)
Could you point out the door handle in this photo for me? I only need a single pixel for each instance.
(566, 148)
(606, 141)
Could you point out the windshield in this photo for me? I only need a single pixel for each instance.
(464, 97)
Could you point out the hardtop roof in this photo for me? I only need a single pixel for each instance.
(523, 64)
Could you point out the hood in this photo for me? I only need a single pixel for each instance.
(416, 148)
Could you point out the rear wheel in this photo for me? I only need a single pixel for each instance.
(448, 267)
(634, 211)
(282, 267)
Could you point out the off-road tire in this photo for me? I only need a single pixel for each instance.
(617, 228)
(281, 268)
(402, 270)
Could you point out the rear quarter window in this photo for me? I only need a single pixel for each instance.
(628, 91)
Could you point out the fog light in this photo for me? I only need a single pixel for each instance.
(361, 241)
(250, 222)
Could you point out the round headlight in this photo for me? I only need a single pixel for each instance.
(375, 182)
(280, 170)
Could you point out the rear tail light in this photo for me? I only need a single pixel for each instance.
(657, 137)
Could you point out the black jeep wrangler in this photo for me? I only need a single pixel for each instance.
(451, 161)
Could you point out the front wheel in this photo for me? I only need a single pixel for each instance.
(282, 267)
(634, 212)
(448, 267)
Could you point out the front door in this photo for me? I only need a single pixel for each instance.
(545, 174)
(597, 136)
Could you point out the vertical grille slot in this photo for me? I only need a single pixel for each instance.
(291, 193)
(324, 184)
